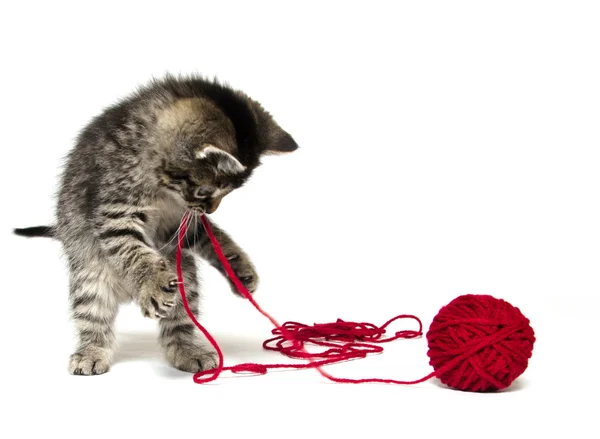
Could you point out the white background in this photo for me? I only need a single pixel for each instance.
(446, 148)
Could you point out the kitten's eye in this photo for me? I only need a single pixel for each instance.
(204, 192)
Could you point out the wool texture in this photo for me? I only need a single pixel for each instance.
(479, 343)
(476, 343)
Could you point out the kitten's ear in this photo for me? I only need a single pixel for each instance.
(221, 160)
(273, 138)
(280, 141)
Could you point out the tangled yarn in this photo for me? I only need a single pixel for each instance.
(476, 342)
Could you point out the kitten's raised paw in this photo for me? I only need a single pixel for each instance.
(244, 270)
(157, 297)
(88, 364)
(192, 358)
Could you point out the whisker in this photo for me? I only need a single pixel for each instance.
(187, 235)
(172, 237)
(186, 215)
(196, 229)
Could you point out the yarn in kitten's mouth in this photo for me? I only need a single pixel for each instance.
(196, 209)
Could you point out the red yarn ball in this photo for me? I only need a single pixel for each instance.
(479, 343)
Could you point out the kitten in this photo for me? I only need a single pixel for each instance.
(175, 144)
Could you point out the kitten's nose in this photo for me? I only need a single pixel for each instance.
(214, 204)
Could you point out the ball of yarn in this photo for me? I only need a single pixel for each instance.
(479, 343)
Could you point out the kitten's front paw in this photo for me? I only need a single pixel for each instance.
(244, 270)
(88, 363)
(192, 358)
(157, 295)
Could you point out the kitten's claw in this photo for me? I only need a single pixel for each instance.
(244, 270)
(156, 295)
(171, 286)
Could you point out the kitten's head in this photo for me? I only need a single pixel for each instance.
(212, 139)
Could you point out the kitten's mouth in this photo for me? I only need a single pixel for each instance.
(196, 208)
(206, 206)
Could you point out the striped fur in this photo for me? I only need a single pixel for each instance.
(134, 171)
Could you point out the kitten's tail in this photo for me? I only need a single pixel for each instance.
(36, 232)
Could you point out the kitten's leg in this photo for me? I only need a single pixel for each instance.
(94, 307)
(238, 259)
(121, 233)
(183, 344)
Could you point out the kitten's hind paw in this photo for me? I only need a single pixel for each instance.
(192, 358)
(88, 364)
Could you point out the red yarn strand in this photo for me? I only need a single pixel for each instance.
(476, 343)
(219, 369)
(345, 340)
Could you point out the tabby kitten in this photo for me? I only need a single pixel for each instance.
(175, 144)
